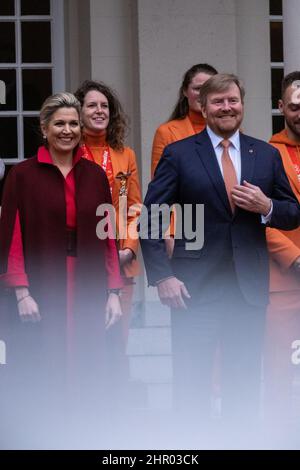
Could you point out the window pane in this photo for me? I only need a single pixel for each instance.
(275, 7)
(278, 123)
(10, 91)
(36, 41)
(35, 7)
(276, 41)
(37, 85)
(7, 42)
(277, 76)
(9, 145)
(7, 7)
(32, 136)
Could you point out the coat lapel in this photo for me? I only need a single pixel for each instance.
(248, 157)
(208, 157)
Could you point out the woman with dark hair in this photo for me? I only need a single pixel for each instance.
(104, 127)
(65, 279)
(186, 118)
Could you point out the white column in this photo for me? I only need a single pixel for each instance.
(291, 35)
(253, 59)
(112, 48)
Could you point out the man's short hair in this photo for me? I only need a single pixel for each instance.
(219, 83)
(288, 80)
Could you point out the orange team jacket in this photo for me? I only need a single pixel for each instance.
(172, 131)
(124, 163)
(284, 246)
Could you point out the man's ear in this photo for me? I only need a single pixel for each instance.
(280, 106)
(203, 111)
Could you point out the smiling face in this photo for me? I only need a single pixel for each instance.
(224, 111)
(289, 105)
(95, 112)
(63, 130)
(193, 91)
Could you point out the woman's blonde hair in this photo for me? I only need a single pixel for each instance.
(55, 102)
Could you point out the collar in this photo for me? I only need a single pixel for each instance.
(44, 156)
(217, 139)
(196, 118)
(94, 140)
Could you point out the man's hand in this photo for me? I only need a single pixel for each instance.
(251, 198)
(171, 292)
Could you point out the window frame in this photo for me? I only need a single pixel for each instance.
(275, 65)
(57, 65)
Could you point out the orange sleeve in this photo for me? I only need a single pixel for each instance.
(281, 248)
(134, 202)
(160, 141)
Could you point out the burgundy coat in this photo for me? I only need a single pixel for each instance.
(36, 191)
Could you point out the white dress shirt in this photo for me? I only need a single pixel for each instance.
(233, 149)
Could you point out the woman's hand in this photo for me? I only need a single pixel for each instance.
(113, 310)
(27, 306)
(125, 256)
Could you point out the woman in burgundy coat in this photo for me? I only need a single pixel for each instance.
(65, 308)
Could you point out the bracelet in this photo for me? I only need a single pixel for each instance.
(297, 267)
(114, 291)
(22, 298)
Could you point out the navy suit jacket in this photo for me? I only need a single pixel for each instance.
(188, 173)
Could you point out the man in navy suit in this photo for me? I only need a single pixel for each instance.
(218, 294)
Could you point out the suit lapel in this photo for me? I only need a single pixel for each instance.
(248, 157)
(208, 157)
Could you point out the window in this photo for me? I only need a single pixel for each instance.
(277, 61)
(31, 68)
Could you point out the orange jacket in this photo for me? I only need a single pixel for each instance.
(125, 162)
(126, 180)
(284, 246)
(167, 133)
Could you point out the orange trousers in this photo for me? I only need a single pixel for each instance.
(282, 328)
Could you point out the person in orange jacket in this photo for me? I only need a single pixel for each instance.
(283, 315)
(186, 118)
(104, 127)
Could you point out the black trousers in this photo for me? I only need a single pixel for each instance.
(237, 328)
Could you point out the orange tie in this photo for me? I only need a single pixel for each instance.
(229, 174)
